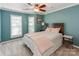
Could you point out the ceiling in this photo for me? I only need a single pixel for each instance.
(21, 6)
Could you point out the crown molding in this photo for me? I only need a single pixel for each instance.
(51, 11)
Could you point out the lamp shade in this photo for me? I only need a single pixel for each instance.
(43, 23)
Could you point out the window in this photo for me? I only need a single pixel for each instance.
(31, 24)
(16, 26)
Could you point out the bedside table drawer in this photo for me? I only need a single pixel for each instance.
(67, 41)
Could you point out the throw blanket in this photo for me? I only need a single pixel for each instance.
(42, 42)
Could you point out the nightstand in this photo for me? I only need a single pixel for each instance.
(68, 42)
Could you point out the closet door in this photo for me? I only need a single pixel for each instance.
(31, 24)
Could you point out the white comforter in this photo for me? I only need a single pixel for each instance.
(55, 38)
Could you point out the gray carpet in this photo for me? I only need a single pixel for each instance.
(17, 48)
(14, 48)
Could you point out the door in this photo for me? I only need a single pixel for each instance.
(31, 24)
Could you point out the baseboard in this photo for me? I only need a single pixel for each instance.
(76, 46)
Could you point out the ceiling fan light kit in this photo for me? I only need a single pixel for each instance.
(36, 10)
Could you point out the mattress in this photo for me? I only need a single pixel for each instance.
(56, 39)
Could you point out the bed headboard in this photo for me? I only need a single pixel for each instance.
(59, 25)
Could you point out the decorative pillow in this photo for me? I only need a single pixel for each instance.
(48, 29)
(56, 30)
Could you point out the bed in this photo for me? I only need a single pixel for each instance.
(44, 43)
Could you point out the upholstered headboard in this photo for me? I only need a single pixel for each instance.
(59, 25)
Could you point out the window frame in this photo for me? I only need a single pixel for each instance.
(15, 36)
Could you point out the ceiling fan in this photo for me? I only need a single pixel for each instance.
(36, 7)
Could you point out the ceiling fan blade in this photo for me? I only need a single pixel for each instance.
(42, 6)
(29, 4)
(42, 10)
(36, 5)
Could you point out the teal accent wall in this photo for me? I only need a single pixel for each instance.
(0, 25)
(5, 24)
(39, 25)
(70, 17)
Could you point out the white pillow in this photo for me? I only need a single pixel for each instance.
(56, 30)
